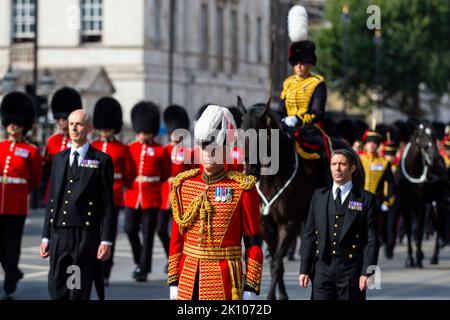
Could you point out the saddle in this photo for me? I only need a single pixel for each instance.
(312, 143)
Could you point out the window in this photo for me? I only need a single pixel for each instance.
(234, 41)
(247, 37)
(157, 25)
(204, 37)
(91, 20)
(220, 38)
(259, 40)
(24, 20)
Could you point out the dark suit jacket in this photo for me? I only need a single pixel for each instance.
(94, 194)
(358, 241)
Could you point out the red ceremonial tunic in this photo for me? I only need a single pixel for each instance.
(124, 168)
(152, 164)
(181, 160)
(210, 244)
(21, 165)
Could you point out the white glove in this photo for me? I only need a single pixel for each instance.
(290, 121)
(384, 207)
(248, 295)
(173, 292)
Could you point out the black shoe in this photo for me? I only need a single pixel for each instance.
(141, 277)
(7, 296)
(19, 274)
(135, 272)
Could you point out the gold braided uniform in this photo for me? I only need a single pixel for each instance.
(447, 160)
(207, 230)
(297, 93)
(376, 171)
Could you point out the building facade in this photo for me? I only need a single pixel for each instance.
(221, 48)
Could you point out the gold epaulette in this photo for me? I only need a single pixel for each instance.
(185, 175)
(246, 182)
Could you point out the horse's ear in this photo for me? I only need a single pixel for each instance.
(266, 109)
(240, 106)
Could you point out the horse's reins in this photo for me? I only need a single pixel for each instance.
(423, 177)
(268, 203)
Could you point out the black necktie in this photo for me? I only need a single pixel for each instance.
(75, 162)
(338, 200)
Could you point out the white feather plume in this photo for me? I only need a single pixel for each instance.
(297, 23)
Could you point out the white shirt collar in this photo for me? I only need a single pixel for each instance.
(345, 189)
(81, 151)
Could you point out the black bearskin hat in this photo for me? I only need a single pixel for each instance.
(64, 102)
(145, 117)
(303, 52)
(347, 130)
(403, 130)
(175, 117)
(108, 114)
(361, 127)
(17, 108)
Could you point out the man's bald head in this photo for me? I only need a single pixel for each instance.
(82, 115)
(80, 125)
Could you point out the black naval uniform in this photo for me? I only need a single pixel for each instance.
(79, 217)
(340, 242)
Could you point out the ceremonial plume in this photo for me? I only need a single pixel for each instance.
(297, 23)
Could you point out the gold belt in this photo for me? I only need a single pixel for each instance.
(212, 253)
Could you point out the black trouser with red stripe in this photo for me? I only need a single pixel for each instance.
(11, 230)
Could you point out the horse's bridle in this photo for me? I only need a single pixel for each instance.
(267, 203)
(423, 176)
(426, 163)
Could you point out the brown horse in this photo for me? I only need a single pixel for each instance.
(287, 193)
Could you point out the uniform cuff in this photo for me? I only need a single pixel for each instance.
(107, 243)
(45, 240)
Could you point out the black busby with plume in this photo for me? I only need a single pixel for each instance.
(17, 108)
(108, 114)
(301, 49)
(145, 117)
(64, 102)
(175, 117)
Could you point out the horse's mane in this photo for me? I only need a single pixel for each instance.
(255, 112)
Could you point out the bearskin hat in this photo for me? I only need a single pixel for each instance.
(329, 125)
(64, 102)
(175, 117)
(17, 108)
(108, 114)
(347, 130)
(361, 127)
(145, 117)
(403, 131)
